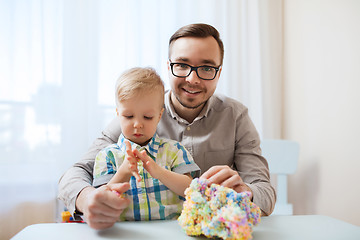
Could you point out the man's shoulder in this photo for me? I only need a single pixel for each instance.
(222, 102)
(112, 131)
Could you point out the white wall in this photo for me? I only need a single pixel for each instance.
(322, 105)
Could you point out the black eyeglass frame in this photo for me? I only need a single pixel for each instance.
(194, 69)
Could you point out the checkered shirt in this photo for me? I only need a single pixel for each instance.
(149, 199)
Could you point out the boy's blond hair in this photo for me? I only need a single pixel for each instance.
(137, 81)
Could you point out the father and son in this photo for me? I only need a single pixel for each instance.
(147, 156)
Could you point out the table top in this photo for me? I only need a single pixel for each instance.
(272, 227)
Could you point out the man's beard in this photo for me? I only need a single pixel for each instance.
(187, 106)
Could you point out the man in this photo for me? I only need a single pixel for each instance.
(216, 130)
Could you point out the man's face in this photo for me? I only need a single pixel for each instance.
(192, 92)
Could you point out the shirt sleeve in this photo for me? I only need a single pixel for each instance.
(183, 162)
(105, 165)
(80, 175)
(251, 165)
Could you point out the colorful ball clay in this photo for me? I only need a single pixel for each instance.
(218, 211)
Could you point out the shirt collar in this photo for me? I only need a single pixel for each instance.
(151, 148)
(170, 108)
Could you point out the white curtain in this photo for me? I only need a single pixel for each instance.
(59, 61)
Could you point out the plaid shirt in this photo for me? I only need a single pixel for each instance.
(150, 199)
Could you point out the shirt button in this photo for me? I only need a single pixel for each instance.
(188, 128)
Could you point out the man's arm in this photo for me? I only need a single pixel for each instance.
(80, 175)
(250, 170)
(252, 166)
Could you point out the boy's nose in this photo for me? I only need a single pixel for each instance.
(138, 124)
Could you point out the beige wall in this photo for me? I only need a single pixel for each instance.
(322, 105)
(14, 220)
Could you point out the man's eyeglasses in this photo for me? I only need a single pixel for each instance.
(184, 70)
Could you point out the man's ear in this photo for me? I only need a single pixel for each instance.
(168, 65)
(219, 72)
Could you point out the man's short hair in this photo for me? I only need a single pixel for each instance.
(199, 30)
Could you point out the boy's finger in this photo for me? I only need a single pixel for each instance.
(128, 145)
(135, 152)
(136, 175)
(132, 160)
(141, 155)
(133, 167)
(130, 153)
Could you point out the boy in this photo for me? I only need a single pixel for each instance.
(159, 170)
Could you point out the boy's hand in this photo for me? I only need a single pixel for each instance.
(131, 161)
(148, 163)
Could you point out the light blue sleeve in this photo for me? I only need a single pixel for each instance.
(105, 165)
(184, 162)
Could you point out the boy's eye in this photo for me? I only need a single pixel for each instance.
(148, 118)
(128, 117)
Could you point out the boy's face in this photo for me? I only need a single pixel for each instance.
(192, 92)
(139, 116)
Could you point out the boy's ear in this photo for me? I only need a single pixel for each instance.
(117, 112)
(161, 113)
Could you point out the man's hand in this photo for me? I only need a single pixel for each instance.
(102, 206)
(227, 177)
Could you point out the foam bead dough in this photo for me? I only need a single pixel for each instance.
(218, 211)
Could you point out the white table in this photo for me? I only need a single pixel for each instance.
(273, 227)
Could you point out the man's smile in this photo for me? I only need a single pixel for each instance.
(190, 91)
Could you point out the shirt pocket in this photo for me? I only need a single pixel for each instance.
(222, 157)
